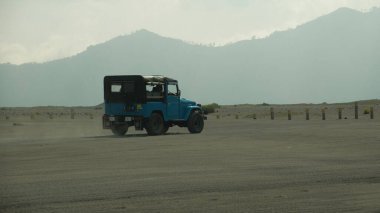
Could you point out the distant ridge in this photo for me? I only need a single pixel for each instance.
(334, 58)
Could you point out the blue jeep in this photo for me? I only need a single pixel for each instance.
(152, 103)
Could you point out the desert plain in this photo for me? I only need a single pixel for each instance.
(51, 161)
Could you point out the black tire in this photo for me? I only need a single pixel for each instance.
(155, 124)
(119, 130)
(195, 123)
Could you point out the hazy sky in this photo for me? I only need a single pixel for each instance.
(43, 30)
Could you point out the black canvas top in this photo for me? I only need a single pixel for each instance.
(124, 89)
(129, 88)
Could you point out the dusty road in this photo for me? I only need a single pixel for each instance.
(233, 166)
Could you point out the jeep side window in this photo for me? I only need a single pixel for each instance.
(123, 87)
(116, 88)
(154, 90)
(173, 89)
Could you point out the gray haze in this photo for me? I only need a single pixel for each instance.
(44, 30)
(333, 58)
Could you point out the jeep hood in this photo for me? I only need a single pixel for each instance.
(187, 102)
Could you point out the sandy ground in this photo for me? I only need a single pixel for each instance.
(60, 164)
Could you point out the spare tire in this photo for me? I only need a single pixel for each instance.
(119, 130)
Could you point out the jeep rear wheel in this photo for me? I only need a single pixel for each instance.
(166, 128)
(119, 130)
(195, 123)
(155, 124)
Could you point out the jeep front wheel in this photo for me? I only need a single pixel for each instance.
(119, 130)
(155, 124)
(195, 123)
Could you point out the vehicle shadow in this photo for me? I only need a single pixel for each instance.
(136, 135)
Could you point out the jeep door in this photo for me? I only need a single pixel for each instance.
(173, 101)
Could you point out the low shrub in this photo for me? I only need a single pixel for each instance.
(210, 108)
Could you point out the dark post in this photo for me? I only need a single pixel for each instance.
(371, 112)
(271, 113)
(340, 113)
(307, 114)
(289, 115)
(356, 110)
(72, 113)
(254, 116)
(323, 114)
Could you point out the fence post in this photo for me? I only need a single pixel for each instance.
(323, 114)
(340, 113)
(271, 113)
(356, 110)
(371, 112)
(307, 114)
(72, 113)
(289, 115)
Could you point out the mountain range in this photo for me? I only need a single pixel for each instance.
(333, 58)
